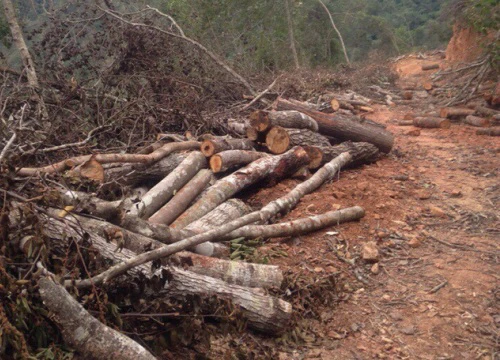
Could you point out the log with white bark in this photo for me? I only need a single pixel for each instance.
(263, 312)
(230, 159)
(281, 205)
(213, 146)
(182, 198)
(362, 153)
(343, 127)
(80, 330)
(164, 190)
(262, 120)
(431, 122)
(112, 158)
(226, 187)
(492, 131)
(476, 121)
(452, 112)
(239, 127)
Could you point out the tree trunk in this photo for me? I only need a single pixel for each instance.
(336, 30)
(29, 65)
(291, 36)
(476, 121)
(277, 140)
(299, 137)
(80, 330)
(344, 128)
(493, 131)
(213, 146)
(262, 120)
(450, 112)
(181, 200)
(239, 180)
(362, 153)
(431, 122)
(229, 159)
(163, 191)
(112, 158)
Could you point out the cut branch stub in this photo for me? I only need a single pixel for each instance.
(213, 146)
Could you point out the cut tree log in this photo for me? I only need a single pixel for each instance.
(237, 127)
(431, 122)
(164, 190)
(262, 121)
(315, 157)
(213, 146)
(181, 200)
(405, 123)
(486, 111)
(476, 121)
(81, 331)
(427, 85)
(430, 66)
(277, 140)
(112, 158)
(451, 112)
(225, 188)
(299, 137)
(344, 128)
(230, 159)
(263, 312)
(407, 95)
(362, 153)
(492, 131)
(281, 205)
(136, 174)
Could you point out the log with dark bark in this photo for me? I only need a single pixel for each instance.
(135, 174)
(405, 123)
(492, 131)
(315, 156)
(262, 121)
(277, 140)
(476, 121)
(182, 198)
(362, 153)
(230, 159)
(164, 190)
(299, 137)
(430, 66)
(451, 112)
(262, 312)
(88, 336)
(112, 158)
(343, 128)
(281, 205)
(213, 146)
(239, 180)
(486, 111)
(431, 122)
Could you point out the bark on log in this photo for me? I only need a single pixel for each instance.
(181, 200)
(493, 131)
(476, 121)
(239, 128)
(88, 336)
(229, 159)
(431, 122)
(283, 204)
(210, 147)
(237, 181)
(450, 112)
(362, 153)
(405, 123)
(343, 128)
(112, 158)
(164, 190)
(277, 140)
(407, 95)
(262, 121)
(485, 111)
(299, 137)
(263, 312)
(430, 67)
(136, 174)
(256, 136)
(315, 157)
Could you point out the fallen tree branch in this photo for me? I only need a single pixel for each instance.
(260, 95)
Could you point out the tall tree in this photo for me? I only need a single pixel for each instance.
(336, 30)
(291, 36)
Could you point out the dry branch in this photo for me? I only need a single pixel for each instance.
(239, 180)
(112, 158)
(181, 200)
(344, 128)
(83, 332)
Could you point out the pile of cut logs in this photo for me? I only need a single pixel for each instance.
(180, 211)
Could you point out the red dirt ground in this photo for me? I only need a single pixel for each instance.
(432, 208)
